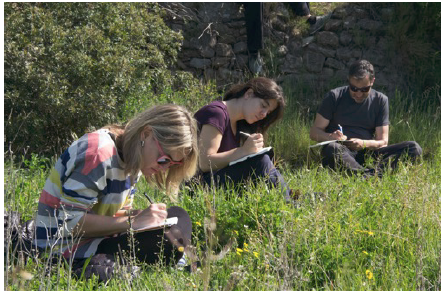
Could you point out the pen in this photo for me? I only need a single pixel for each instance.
(148, 198)
(244, 133)
(340, 128)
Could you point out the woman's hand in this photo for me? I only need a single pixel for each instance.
(253, 144)
(154, 215)
(338, 135)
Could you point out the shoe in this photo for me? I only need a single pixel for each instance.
(312, 20)
(255, 63)
(182, 262)
(319, 23)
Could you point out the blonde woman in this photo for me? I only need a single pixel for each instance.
(89, 193)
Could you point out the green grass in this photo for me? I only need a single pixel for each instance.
(390, 226)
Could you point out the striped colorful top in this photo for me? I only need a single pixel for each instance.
(87, 178)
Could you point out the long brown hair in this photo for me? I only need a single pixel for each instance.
(263, 88)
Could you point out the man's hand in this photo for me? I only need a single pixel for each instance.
(338, 135)
(355, 144)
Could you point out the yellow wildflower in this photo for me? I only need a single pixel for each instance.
(369, 274)
(239, 250)
(181, 249)
(366, 253)
(256, 254)
(198, 223)
(236, 232)
(370, 233)
(245, 245)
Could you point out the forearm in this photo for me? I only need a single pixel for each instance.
(93, 225)
(218, 161)
(374, 144)
(319, 135)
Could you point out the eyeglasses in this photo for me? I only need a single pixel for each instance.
(356, 89)
(165, 161)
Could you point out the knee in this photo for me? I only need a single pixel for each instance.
(415, 149)
(263, 164)
(332, 149)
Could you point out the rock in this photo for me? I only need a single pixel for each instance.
(242, 61)
(307, 40)
(349, 22)
(326, 52)
(370, 25)
(313, 61)
(236, 24)
(327, 73)
(333, 63)
(342, 75)
(345, 38)
(344, 54)
(282, 50)
(240, 47)
(291, 64)
(200, 63)
(327, 38)
(223, 50)
(224, 73)
(387, 14)
(181, 65)
(209, 74)
(383, 44)
(333, 25)
(339, 12)
(220, 61)
(295, 46)
(359, 13)
(207, 52)
(374, 56)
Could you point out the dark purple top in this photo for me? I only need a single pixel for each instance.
(216, 114)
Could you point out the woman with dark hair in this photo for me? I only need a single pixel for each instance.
(250, 108)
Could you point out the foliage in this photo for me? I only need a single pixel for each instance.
(72, 65)
(415, 32)
(375, 234)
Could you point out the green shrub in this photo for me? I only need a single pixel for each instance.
(72, 65)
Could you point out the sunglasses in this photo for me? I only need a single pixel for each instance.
(164, 160)
(356, 89)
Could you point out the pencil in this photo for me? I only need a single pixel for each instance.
(148, 198)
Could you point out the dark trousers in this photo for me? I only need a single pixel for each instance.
(154, 246)
(336, 155)
(260, 166)
(254, 25)
(300, 8)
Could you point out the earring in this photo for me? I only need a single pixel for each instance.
(142, 143)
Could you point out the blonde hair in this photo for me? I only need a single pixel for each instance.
(175, 129)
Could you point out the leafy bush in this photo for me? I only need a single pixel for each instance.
(72, 65)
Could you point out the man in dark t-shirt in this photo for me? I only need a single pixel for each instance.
(357, 117)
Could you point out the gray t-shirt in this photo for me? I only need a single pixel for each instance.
(358, 120)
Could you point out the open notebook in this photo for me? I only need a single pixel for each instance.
(167, 223)
(328, 141)
(262, 151)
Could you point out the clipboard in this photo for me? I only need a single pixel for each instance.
(167, 223)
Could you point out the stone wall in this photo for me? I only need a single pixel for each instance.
(214, 45)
